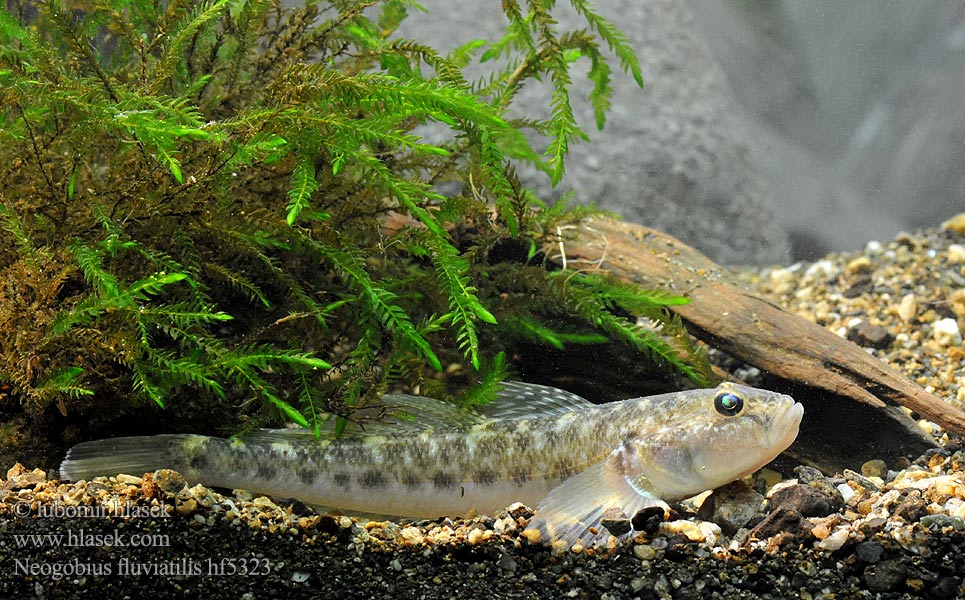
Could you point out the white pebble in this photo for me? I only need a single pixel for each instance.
(412, 536)
(956, 254)
(644, 552)
(908, 307)
(822, 268)
(946, 332)
(952, 505)
(833, 541)
(474, 537)
(710, 531)
(504, 525)
(873, 247)
(782, 280)
(846, 491)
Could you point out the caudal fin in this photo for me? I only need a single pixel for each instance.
(129, 455)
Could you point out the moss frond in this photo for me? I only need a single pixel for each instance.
(223, 200)
(598, 300)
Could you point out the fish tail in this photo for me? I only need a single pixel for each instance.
(129, 455)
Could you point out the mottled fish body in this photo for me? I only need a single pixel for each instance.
(537, 445)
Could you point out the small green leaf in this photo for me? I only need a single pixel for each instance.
(484, 315)
(340, 424)
(532, 250)
(315, 363)
(434, 150)
(290, 411)
(175, 168)
(190, 132)
(73, 182)
(303, 185)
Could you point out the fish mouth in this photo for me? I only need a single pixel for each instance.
(785, 426)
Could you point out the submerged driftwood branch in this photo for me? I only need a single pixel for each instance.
(803, 354)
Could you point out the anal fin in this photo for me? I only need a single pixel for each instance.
(573, 511)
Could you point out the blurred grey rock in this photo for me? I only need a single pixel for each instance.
(673, 156)
(853, 110)
(835, 122)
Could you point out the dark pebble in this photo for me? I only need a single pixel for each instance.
(911, 510)
(731, 506)
(328, 524)
(785, 524)
(648, 520)
(604, 582)
(799, 580)
(885, 575)
(300, 508)
(946, 587)
(942, 521)
(862, 286)
(867, 335)
(868, 552)
(861, 480)
(829, 487)
(806, 474)
(617, 527)
(807, 500)
(616, 522)
(169, 481)
(506, 563)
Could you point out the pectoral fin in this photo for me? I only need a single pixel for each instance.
(573, 510)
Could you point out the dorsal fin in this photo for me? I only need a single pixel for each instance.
(398, 414)
(419, 412)
(519, 400)
(390, 415)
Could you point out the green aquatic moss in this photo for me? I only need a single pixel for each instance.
(227, 200)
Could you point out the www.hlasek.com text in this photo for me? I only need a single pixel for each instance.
(82, 538)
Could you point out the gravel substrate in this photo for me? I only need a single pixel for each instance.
(903, 301)
(875, 532)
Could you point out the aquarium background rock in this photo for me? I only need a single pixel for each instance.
(826, 123)
(853, 110)
(673, 156)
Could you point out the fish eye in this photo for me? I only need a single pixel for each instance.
(728, 404)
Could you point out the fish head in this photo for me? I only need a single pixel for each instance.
(712, 437)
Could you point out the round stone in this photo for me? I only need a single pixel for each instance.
(946, 333)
